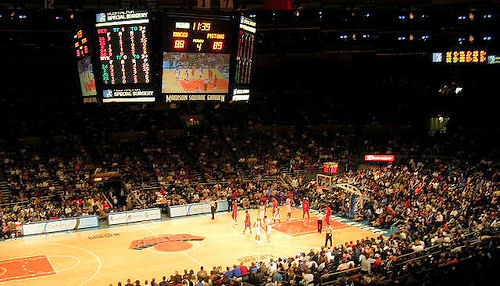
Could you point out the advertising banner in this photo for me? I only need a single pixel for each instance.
(379, 158)
(60, 225)
(198, 208)
(134, 216)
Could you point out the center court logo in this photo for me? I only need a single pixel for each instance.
(168, 243)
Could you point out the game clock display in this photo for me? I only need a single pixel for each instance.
(198, 36)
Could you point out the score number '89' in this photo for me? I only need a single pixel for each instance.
(218, 45)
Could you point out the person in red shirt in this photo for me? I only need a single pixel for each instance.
(235, 212)
(248, 224)
(275, 205)
(305, 208)
(244, 270)
(328, 214)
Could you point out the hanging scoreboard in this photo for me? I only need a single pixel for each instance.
(244, 59)
(204, 57)
(85, 67)
(124, 56)
(196, 57)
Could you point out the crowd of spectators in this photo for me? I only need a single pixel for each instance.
(440, 208)
(53, 181)
(435, 204)
(431, 201)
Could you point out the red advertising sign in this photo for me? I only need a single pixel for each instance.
(387, 158)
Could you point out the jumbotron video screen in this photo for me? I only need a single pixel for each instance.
(196, 59)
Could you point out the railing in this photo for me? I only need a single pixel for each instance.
(336, 275)
(25, 202)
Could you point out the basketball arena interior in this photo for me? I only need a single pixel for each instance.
(249, 142)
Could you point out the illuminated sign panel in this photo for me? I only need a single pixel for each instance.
(330, 167)
(124, 53)
(241, 94)
(85, 67)
(196, 58)
(199, 36)
(463, 57)
(81, 44)
(244, 57)
(380, 158)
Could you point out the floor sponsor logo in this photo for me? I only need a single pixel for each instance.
(169, 243)
(103, 235)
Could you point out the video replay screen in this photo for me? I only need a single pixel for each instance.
(195, 73)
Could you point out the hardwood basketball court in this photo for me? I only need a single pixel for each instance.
(153, 249)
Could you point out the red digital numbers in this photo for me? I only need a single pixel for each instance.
(218, 45)
(180, 44)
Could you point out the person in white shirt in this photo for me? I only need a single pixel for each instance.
(307, 279)
(310, 263)
(322, 265)
(365, 265)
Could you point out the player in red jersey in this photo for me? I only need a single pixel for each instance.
(248, 224)
(305, 208)
(234, 215)
(275, 205)
(328, 214)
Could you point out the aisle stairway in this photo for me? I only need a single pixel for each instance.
(5, 194)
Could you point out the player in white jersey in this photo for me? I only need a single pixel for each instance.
(289, 208)
(256, 226)
(262, 210)
(268, 230)
(277, 215)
